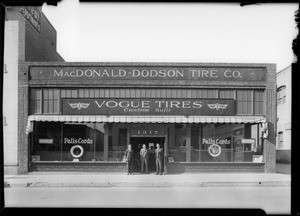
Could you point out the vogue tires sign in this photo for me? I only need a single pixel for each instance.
(102, 106)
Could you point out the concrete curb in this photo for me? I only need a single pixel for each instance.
(150, 184)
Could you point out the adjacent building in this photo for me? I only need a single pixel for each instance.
(28, 36)
(284, 110)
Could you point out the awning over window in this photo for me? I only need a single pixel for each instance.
(144, 119)
(149, 119)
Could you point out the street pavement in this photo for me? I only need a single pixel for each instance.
(147, 180)
(273, 200)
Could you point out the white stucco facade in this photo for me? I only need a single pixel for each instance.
(10, 97)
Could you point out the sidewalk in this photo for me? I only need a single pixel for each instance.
(147, 180)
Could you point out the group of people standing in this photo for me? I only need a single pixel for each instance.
(144, 157)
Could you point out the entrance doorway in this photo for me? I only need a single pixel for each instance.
(150, 142)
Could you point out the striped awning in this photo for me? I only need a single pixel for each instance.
(148, 119)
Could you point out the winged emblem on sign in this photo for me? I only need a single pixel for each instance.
(79, 105)
(217, 106)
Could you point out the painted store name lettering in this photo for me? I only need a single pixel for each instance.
(78, 141)
(215, 141)
(161, 104)
(171, 73)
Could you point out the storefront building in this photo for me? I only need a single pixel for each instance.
(207, 117)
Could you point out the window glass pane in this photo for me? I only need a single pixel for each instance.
(101, 93)
(45, 106)
(174, 94)
(122, 93)
(153, 93)
(229, 143)
(195, 142)
(74, 93)
(143, 93)
(169, 93)
(226, 94)
(50, 93)
(127, 93)
(39, 94)
(92, 93)
(204, 93)
(45, 94)
(158, 93)
(117, 146)
(194, 94)
(209, 94)
(50, 106)
(188, 93)
(132, 93)
(68, 93)
(46, 142)
(244, 102)
(38, 109)
(56, 93)
(56, 106)
(183, 93)
(177, 149)
(258, 102)
(35, 101)
(81, 93)
(179, 93)
(99, 142)
(82, 136)
(163, 93)
(63, 93)
(86, 93)
(97, 93)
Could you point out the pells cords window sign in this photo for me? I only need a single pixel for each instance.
(214, 150)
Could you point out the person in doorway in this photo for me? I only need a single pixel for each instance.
(158, 159)
(151, 160)
(129, 159)
(144, 153)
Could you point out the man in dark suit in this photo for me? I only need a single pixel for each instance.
(129, 159)
(144, 153)
(159, 159)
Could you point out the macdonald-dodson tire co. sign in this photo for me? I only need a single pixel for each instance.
(77, 73)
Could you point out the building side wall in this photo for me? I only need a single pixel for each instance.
(284, 116)
(41, 47)
(10, 97)
(284, 110)
(38, 47)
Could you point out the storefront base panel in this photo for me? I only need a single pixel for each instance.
(78, 167)
(186, 167)
(10, 169)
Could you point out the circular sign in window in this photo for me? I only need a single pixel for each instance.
(74, 151)
(214, 150)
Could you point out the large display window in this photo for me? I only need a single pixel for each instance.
(177, 142)
(85, 142)
(226, 143)
(54, 141)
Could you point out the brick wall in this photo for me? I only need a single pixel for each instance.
(37, 47)
(270, 105)
(271, 115)
(41, 47)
